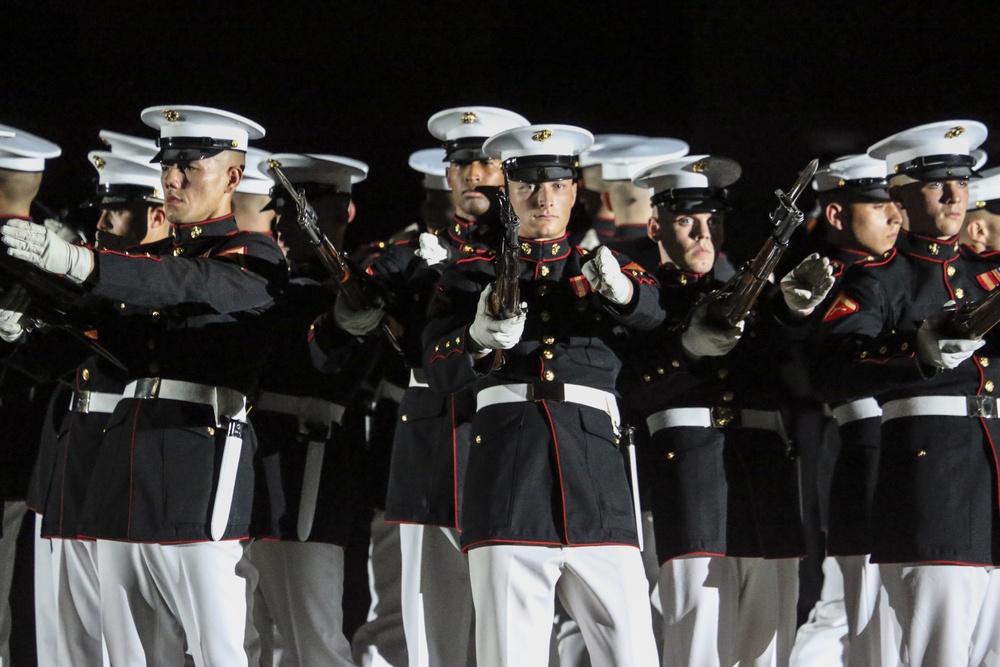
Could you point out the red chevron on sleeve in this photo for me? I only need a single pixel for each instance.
(841, 307)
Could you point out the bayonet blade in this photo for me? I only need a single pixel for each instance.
(803, 180)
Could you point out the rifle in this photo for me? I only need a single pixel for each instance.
(505, 300)
(734, 300)
(972, 320)
(349, 284)
(52, 301)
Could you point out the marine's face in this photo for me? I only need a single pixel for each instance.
(874, 226)
(121, 227)
(543, 208)
(690, 240)
(933, 208)
(464, 177)
(193, 191)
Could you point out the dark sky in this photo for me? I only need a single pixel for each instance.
(768, 84)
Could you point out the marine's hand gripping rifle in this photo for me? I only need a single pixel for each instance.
(347, 283)
(505, 300)
(734, 301)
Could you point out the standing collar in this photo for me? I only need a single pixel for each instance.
(545, 251)
(191, 231)
(926, 247)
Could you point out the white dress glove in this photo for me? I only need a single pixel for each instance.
(805, 286)
(43, 248)
(431, 250)
(355, 322)
(606, 278)
(701, 339)
(12, 305)
(490, 333)
(935, 347)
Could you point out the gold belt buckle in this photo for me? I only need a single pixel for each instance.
(147, 388)
(723, 416)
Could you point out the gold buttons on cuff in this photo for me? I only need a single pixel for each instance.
(549, 375)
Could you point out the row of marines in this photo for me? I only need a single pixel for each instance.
(512, 492)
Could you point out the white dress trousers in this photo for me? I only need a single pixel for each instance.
(380, 641)
(728, 612)
(436, 597)
(949, 614)
(602, 587)
(302, 586)
(159, 601)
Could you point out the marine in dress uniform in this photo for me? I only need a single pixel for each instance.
(547, 510)
(22, 162)
(981, 230)
(430, 438)
(724, 477)
(174, 494)
(301, 417)
(935, 518)
(129, 196)
(859, 223)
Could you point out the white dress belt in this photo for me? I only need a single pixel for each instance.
(386, 389)
(941, 406)
(309, 409)
(721, 417)
(863, 408)
(225, 402)
(93, 401)
(598, 399)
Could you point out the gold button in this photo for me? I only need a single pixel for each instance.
(988, 386)
(904, 347)
(155, 314)
(549, 375)
(617, 440)
(544, 270)
(959, 293)
(728, 396)
(458, 339)
(122, 305)
(723, 373)
(675, 363)
(922, 452)
(543, 290)
(683, 280)
(647, 378)
(670, 456)
(984, 361)
(210, 430)
(479, 439)
(545, 316)
(447, 345)
(178, 252)
(195, 232)
(403, 418)
(883, 350)
(548, 354)
(864, 354)
(660, 371)
(549, 340)
(951, 270)
(85, 374)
